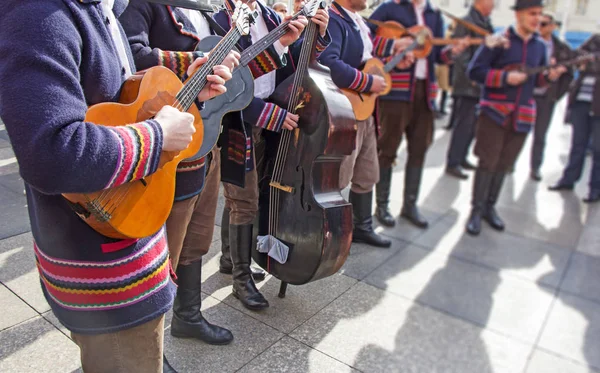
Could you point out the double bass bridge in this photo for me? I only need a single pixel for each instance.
(285, 188)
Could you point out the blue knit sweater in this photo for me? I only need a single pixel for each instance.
(511, 106)
(58, 59)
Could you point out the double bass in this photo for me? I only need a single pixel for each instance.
(304, 208)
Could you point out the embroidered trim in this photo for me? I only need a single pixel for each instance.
(178, 62)
(382, 47)
(187, 166)
(271, 117)
(401, 81)
(236, 149)
(501, 108)
(360, 82)
(264, 63)
(80, 285)
(495, 78)
(137, 147)
(433, 91)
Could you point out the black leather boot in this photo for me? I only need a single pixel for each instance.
(491, 215)
(382, 197)
(481, 185)
(225, 265)
(240, 239)
(188, 321)
(412, 184)
(362, 204)
(167, 368)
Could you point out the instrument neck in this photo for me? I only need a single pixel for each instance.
(389, 66)
(307, 55)
(188, 94)
(260, 46)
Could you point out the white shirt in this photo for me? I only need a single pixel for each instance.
(198, 21)
(365, 34)
(421, 64)
(115, 33)
(264, 85)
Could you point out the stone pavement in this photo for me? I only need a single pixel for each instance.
(527, 300)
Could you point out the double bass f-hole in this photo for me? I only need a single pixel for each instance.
(305, 206)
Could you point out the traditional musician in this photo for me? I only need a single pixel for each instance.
(352, 44)
(546, 97)
(65, 56)
(584, 115)
(466, 92)
(507, 108)
(241, 203)
(164, 35)
(408, 109)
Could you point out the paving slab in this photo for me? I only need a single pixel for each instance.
(291, 356)
(364, 259)
(404, 230)
(589, 241)
(12, 182)
(573, 330)
(583, 277)
(14, 218)
(251, 337)
(14, 310)
(562, 230)
(376, 331)
(524, 257)
(477, 294)
(301, 302)
(36, 346)
(18, 271)
(546, 362)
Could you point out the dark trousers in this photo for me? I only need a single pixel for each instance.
(585, 127)
(497, 146)
(545, 111)
(465, 118)
(398, 118)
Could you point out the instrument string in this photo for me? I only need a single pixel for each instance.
(285, 140)
(255, 49)
(109, 199)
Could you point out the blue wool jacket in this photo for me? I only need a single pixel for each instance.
(511, 106)
(261, 113)
(162, 35)
(403, 81)
(58, 56)
(344, 55)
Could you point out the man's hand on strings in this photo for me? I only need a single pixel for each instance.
(291, 121)
(321, 18)
(295, 30)
(401, 44)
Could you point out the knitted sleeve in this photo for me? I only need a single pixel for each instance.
(137, 22)
(480, 69)
(264, 115)
(58, 152)
(342, 74)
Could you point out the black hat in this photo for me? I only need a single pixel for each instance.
(524, 4)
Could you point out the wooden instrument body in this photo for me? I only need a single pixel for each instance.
(139, 208)
(394, 30)
(363, 104)
(240, 91)
(315, 220)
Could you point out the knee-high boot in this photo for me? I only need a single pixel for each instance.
(188, 321)
(240, 240)
(491, 215)
(225, 264)
(412, 185)
(481, 186)
(382, 197)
